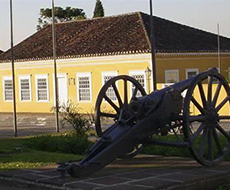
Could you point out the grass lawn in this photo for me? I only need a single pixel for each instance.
(15, 155)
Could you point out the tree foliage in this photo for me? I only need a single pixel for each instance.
(61, 15)
(98, 10)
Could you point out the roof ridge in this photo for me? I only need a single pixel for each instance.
(144, 28)
(99, 18)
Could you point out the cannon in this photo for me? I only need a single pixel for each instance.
(135, 120)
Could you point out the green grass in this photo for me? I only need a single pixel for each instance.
(15, 155)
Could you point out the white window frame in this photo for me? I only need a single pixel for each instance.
(21, 77)
(86, 74)
(3, 84)
(44, 76)
(108, 73)
(138, 72)
(169, 71)
(192, 70)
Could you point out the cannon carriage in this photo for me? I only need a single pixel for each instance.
(137, 118)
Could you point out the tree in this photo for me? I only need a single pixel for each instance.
(99, 10)
(61, 15)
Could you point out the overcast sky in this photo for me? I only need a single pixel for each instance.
(202, 14)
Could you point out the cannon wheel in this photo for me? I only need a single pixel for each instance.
(209, 142)
(117, 106)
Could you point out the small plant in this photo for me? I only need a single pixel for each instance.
(70, 115)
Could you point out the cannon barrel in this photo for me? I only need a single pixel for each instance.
(147, 104)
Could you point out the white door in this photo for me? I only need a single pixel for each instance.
(62, 89)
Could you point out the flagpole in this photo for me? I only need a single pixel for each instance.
(13, 74)
(218, 42)
(152, 48)
(55, 69)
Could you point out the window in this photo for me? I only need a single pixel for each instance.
(84, 86)
(25, 88)
(191, 73)
(110, 92)
(8, 88)
(140, 77)
(42, 88)
(171, 76)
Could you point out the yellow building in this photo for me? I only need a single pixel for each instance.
(92, 51)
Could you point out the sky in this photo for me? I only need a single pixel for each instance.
(202, 14)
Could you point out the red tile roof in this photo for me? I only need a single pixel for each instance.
(122, 34)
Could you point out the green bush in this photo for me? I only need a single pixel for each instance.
(70, 143)
(70, 115)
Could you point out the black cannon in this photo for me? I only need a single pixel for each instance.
(197, 120)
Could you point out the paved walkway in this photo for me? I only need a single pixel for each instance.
(140, 173)
(29, 124)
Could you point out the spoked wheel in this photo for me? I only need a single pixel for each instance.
(207, 109)
(112, 105)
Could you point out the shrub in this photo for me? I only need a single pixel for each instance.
(70, 115)
(68, 143)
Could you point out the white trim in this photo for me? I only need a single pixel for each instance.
(138, 72)
(191, 70)
(42, 76)
(21, 77)
(3, 85)
(84, 74)
(172, 70)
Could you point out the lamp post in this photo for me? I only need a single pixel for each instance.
(13, 74)
(152, 47)
(55, 69)
(218, 44)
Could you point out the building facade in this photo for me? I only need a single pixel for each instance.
(91, 52)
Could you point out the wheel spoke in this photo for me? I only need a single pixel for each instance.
(125, 92)
(117, 95)
(202, 142)
(197, 118)
(202, 95)
(210, 145)
(108, 115)
(222, 131)
(210, 90)
(222, 103)
(216, 138)
(197, 133)
(217, 93)
(134, 93)
(197, 105)
(112, 104)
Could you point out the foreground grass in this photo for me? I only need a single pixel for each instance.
(15, 155)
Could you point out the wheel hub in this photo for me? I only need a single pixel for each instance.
(212, 115)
